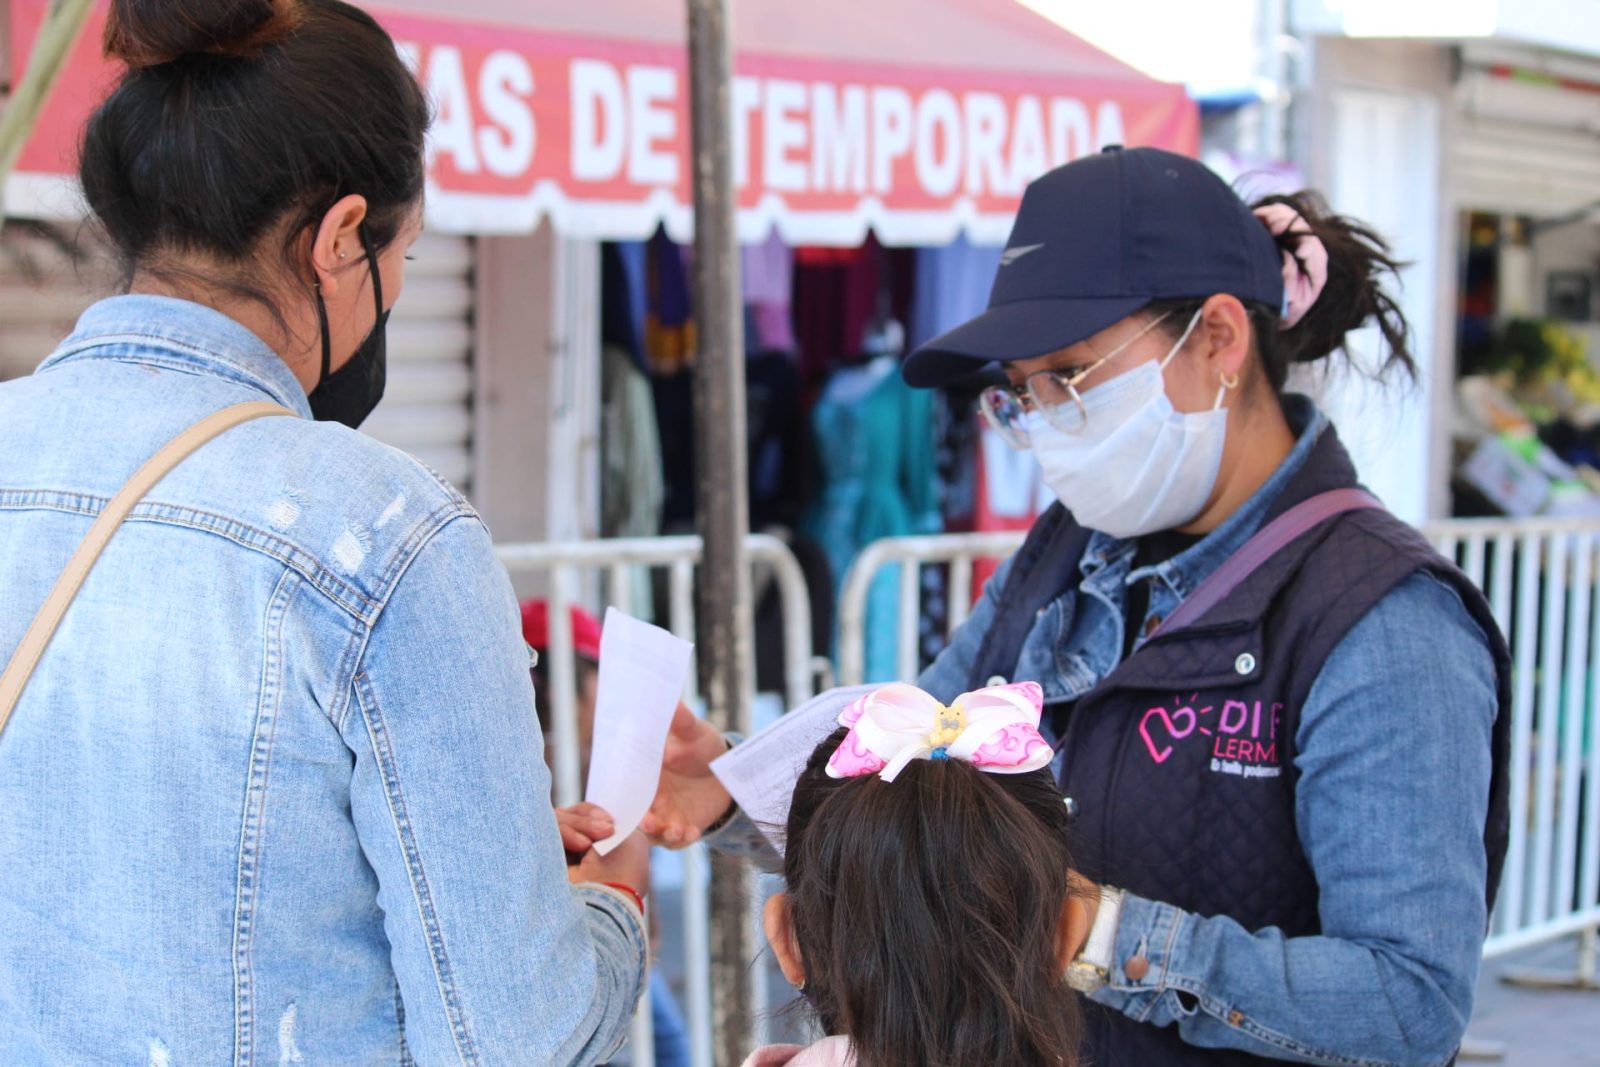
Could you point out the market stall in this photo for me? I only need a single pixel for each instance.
(916, 122)
(851, 126)
(1527, 168)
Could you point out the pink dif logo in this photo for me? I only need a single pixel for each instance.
(1161, 728)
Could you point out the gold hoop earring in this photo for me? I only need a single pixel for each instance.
(1229, 381)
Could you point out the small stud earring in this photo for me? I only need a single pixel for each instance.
(343, 254)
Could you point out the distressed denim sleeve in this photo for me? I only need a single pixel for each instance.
(1394, 759)
(498, 958)
(947, 677)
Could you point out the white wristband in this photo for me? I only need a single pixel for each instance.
(1102, 942)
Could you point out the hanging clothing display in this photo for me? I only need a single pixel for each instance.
(872, 458)
(622, 297)
(632, 490)
(768, 277)
(668, 342)
(674, 399)
(783, 460)
(956, 426)
(955, 435)
(874, 437)
(1010, 479)
(783, 476)
(1010, 493)
(631, 487)
(952, 286)
(835, 294)
(669, 330)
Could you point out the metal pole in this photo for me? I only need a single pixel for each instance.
(724, 587)
(1274, 67)
(63, 21)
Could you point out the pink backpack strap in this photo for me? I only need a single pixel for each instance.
(1267, 542)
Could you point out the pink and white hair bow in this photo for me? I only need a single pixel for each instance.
(1305, 269)
(994, 729)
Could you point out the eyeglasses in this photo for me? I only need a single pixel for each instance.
(1051, 392)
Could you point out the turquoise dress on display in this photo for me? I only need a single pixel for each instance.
(875, 442)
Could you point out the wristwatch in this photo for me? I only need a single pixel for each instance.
(1090, 969)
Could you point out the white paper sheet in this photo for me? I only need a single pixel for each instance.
(761, 772)
(643, 670)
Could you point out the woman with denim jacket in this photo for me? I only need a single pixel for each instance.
(275, 791)
(1290, 786)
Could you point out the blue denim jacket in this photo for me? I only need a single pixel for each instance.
(276, 793)
(1389, 807)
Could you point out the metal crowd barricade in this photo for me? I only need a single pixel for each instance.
(566, 567)
(910, 554)
(1540, 578)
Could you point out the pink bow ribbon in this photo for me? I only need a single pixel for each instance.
(994, 729)
(1305, 269)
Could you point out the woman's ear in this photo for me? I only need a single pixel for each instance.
(337, 242)
(1225, 332)
(779, 925)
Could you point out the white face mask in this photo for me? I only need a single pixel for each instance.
(1138, 465)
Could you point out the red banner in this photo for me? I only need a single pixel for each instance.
(594, 134)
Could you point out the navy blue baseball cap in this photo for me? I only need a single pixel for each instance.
(1098, 239)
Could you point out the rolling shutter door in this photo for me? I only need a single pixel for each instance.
(48, 277)
(50, 274)
(1526, 144)
(427, 403)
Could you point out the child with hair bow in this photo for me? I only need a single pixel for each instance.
(929, 911)
(1284, 720)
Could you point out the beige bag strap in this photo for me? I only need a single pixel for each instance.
(26, 657)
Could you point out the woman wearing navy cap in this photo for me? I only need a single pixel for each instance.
(1280, 717)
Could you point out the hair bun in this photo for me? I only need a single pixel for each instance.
(147, 33)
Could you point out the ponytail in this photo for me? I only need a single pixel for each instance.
(1359, 271)
(1358, 262)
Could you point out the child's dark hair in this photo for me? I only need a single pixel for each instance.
(236, 117)
(926, 913)
(1358, 260)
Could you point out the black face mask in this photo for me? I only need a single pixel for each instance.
(350, 394)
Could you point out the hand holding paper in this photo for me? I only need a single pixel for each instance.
(689, 798)
(761, 772)
(643, 670)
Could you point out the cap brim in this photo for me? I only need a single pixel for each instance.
(1022, 329)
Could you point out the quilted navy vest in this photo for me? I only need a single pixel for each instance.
(1181, 761)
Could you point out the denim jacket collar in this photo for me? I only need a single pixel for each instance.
(1185, 571)
(177, 334)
